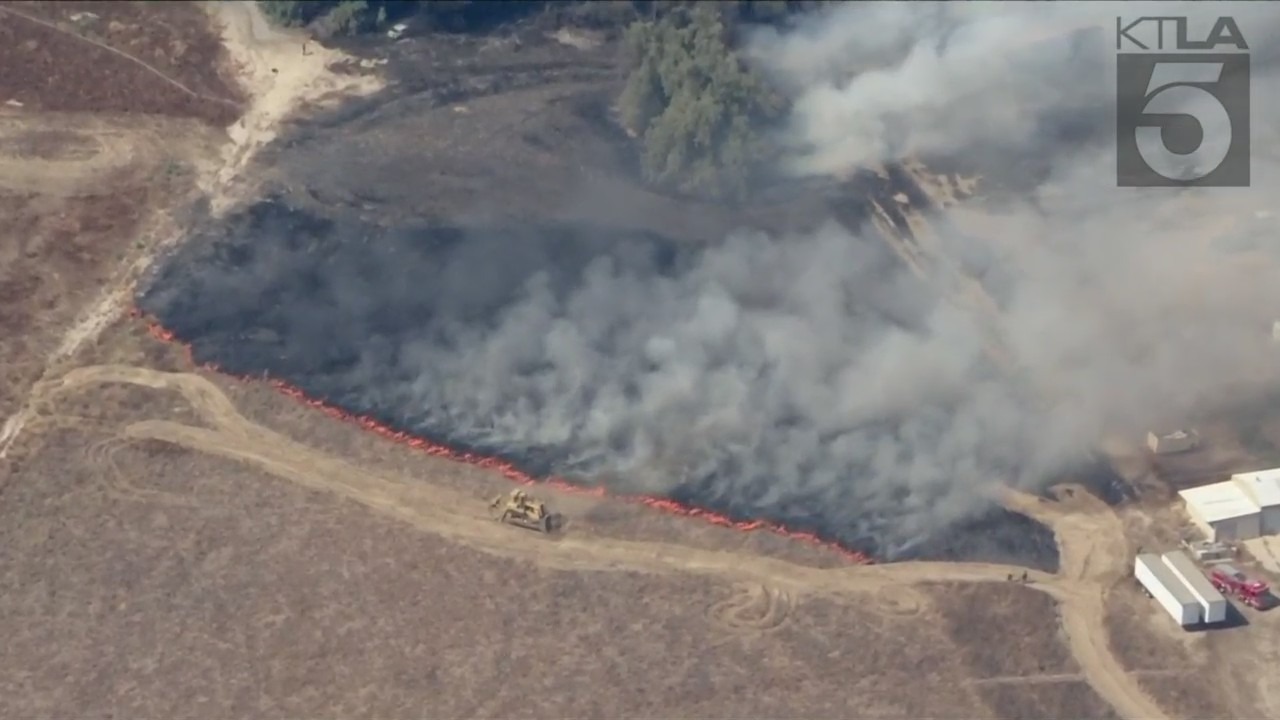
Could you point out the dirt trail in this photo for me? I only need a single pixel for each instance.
(114, 51)
(279, 80)
(67, 154)
(1086, 533)
(1090, 538)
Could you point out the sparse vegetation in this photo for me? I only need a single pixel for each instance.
(697, 110)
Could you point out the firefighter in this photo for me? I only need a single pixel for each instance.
(1024, 577)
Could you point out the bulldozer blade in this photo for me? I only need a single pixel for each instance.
(527, 524)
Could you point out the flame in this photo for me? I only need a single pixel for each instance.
(504, 468)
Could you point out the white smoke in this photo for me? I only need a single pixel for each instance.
(770, 365)
(807, 375)
(877, 82)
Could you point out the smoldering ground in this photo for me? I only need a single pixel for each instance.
(731, 377)
(807, 379)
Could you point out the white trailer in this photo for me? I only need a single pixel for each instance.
(1213, 605)
(1167, 589)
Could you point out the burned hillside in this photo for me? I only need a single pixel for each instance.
(650, 365)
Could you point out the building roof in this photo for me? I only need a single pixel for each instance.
(1220, 501)
(1167, 579)
(1191, 576)
(1262, 486)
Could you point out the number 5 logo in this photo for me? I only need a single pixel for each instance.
(1182, 119)
(1176, 89)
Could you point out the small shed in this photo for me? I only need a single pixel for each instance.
(1263, 488)
(1172, 442)
(1212, 604)
(1223, 511)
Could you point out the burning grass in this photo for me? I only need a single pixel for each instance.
(509, 469)
(276, 340)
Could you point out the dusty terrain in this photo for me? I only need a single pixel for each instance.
(95, 149)
(103, 156)
(173, 543)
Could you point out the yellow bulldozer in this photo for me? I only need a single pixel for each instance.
(517, 508)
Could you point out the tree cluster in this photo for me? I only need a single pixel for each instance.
(697, 109)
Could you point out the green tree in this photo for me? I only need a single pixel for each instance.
(698, 111)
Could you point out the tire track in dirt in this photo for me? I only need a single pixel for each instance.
(753, 610)
(115, 484)
(901, 601)
(119, 53)
(1088, 534)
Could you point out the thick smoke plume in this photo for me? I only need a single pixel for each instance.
(809, 377)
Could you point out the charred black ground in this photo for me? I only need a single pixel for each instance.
(387, 214)
(307, 299)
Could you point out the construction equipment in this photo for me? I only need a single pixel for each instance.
(517, 508)
(1230, 581)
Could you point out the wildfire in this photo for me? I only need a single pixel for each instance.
(506, 469)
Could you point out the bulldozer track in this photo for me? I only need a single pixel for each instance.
(116, 484)
(461, 518)
(753, 610)
(900, 602)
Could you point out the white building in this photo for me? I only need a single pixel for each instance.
(1263, 488)
(1242, 508)
(1223, 511)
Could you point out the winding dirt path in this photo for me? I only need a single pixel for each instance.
(117, 52)
(279, 79)
(1090, 537)
(1091, 542)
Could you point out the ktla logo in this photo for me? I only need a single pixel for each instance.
(1182, 118)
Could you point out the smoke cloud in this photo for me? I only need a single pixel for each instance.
(812, 378)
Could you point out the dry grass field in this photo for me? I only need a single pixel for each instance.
(217, 589)
(174, 543)
(101, 124)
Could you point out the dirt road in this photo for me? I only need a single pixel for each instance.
(84, 149)
(1092, 545)
(280, 79)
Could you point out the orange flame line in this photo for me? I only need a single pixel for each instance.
(506, 469)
